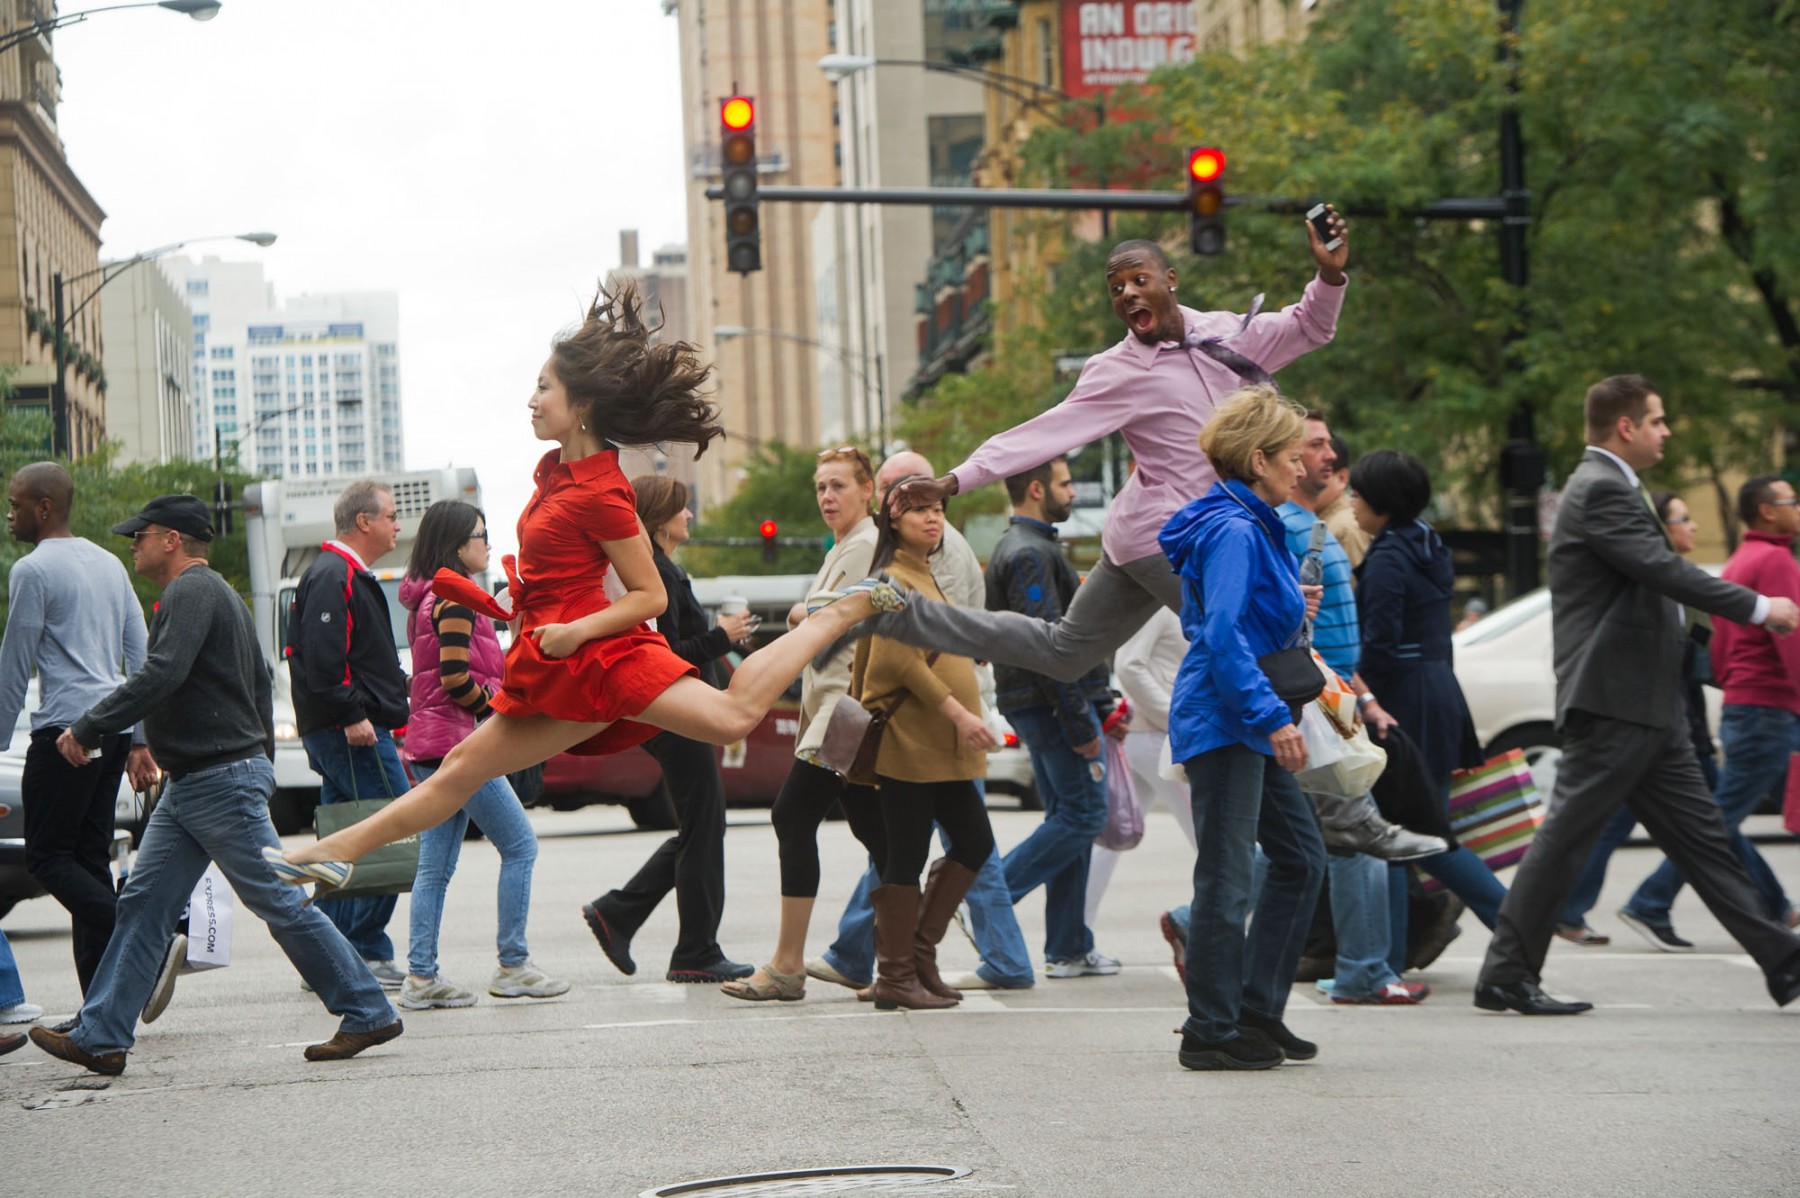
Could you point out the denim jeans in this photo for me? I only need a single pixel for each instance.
(358, 772)
(1241, 799)
(12, 989)
(496, 811)
(1005, 961)
(1757, 742)
(1359, 915)
(219, 815)
(1056, 854)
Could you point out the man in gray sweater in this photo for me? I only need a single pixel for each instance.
(204, 699)
(73, 617)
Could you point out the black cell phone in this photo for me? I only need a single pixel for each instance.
(1321, 223)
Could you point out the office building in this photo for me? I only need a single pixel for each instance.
(149, 335)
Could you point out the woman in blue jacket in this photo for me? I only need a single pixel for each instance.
(1238, 741)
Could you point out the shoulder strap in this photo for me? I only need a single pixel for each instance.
(349, 613)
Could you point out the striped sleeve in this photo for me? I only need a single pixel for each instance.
(455, 625)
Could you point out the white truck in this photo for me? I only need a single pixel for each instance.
(287, 521)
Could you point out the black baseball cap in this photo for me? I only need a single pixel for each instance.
(183, 513)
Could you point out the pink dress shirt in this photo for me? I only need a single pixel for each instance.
(1158, 397)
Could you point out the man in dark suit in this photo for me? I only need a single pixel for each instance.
(1619, 593)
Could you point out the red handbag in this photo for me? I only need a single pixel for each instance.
(1790, 801)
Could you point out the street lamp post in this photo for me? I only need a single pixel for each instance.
(856, 363)
(199, 10)
(59, 394)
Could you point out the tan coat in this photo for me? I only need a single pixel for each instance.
(921, 743)
(847, 562)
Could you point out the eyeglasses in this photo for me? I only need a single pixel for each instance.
(141, 534)
(479, 536)
(1782, 502)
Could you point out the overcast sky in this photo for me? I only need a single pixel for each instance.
(477, 158)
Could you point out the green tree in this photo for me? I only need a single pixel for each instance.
(777, 485)
(1660, 152)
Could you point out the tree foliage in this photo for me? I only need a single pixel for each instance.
(777, 485)
(1660, 151)
(107, 492)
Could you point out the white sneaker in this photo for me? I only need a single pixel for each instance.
(422, 994)
(525, 980)
(22, 1012)
(1093, 965)
(164, 989)
(965, 923)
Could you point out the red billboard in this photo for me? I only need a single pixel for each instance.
(1110, 42)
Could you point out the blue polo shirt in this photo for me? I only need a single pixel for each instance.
(1335, 632)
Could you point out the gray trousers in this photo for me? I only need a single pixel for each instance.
(1606, 762)
(1111, 604)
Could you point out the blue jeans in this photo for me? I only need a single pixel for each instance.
(1359, 915)
(219, 815)
(358, 772)
(1056, 854)
(1005, 961)
(496, 810)
(1242, 799)
(1616, 833)
(12, 989)
(1757, 742)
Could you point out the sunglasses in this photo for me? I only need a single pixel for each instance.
(1672, 521)
(852, 450)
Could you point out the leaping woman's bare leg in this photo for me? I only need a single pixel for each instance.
(500, 746)
(695, 710)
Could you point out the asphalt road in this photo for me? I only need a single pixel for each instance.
(1681, 1083)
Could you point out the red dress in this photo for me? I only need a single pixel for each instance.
(561, 562)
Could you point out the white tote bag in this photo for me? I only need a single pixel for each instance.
(209, 921)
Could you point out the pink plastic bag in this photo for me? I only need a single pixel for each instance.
(1124, 814)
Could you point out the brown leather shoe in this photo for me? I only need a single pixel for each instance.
(58, 1044)
(11, 1042)
(345, 1045)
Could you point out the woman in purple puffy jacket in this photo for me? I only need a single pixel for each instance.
(457, 662)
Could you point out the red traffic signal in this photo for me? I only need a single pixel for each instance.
(738, 112)
(1206, 200)
(1206, 164)
(769, 543)
(768, 530)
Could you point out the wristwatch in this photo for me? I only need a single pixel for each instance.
(1364, 699)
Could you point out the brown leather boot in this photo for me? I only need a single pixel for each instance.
(896, 973)
(946, 882)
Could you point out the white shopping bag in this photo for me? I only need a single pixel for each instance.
(1345, 766)
(209, 921)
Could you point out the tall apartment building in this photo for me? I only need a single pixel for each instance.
(149, 335)
(767, 383)
(664, 287)
(49, 227)
(310, 386)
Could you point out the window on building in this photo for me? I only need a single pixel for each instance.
(222, 353)
(953, 143)
(950, 25)
(197, 287)
(1046, 46)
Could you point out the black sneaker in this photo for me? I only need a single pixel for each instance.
(1660, 935)
(617, 947)
(1245, 1051)
(1291, 1046)
(722, 970)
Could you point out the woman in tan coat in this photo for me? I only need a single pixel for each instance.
(934, 749)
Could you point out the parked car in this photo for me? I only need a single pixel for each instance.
(754, 770)
(1508, 676)
(16, 885)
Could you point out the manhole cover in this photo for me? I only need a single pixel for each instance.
(800, 1183)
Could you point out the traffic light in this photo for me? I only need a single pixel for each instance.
(737, 160)
(768, 531)
(1206, 201)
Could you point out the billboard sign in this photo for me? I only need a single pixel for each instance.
(1121, 41)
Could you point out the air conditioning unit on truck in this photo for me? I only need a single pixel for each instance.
(286, 522)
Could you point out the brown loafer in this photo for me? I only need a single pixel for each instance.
(1580, 933)
(11, 1042)
(345, 1045)
(59, 1045)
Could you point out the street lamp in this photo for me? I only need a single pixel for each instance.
(59, 394)
(199, 10)
(222, 489)
(856, 364)
(1041, 96)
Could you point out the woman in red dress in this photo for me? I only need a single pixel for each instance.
(585, 675)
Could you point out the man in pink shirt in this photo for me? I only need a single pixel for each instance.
(1760, 725)
(1156, 388)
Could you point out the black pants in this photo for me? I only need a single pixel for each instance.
(908, 809)
(800, 808)
(691, 863)
(1655, 772)
(68, 838)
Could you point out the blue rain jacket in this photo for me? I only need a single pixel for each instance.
(1241, 599)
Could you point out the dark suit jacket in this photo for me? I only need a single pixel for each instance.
(1614, 586)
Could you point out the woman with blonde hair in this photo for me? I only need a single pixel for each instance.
(1238, 739)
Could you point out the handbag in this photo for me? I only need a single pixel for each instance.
(1124, 814)
(389, 869)
(1293, 675)
(1790, 801)
(1495, 810)
(853, 734)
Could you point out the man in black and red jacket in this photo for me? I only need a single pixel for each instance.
(349, 690)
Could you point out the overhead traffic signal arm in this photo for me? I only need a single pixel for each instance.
(737, 165)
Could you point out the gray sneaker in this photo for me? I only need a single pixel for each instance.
(525, 980)
(422, 994)
(1093, 965)
(164, 989)
(385, 973)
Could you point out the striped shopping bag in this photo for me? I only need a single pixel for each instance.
(1495, 811)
